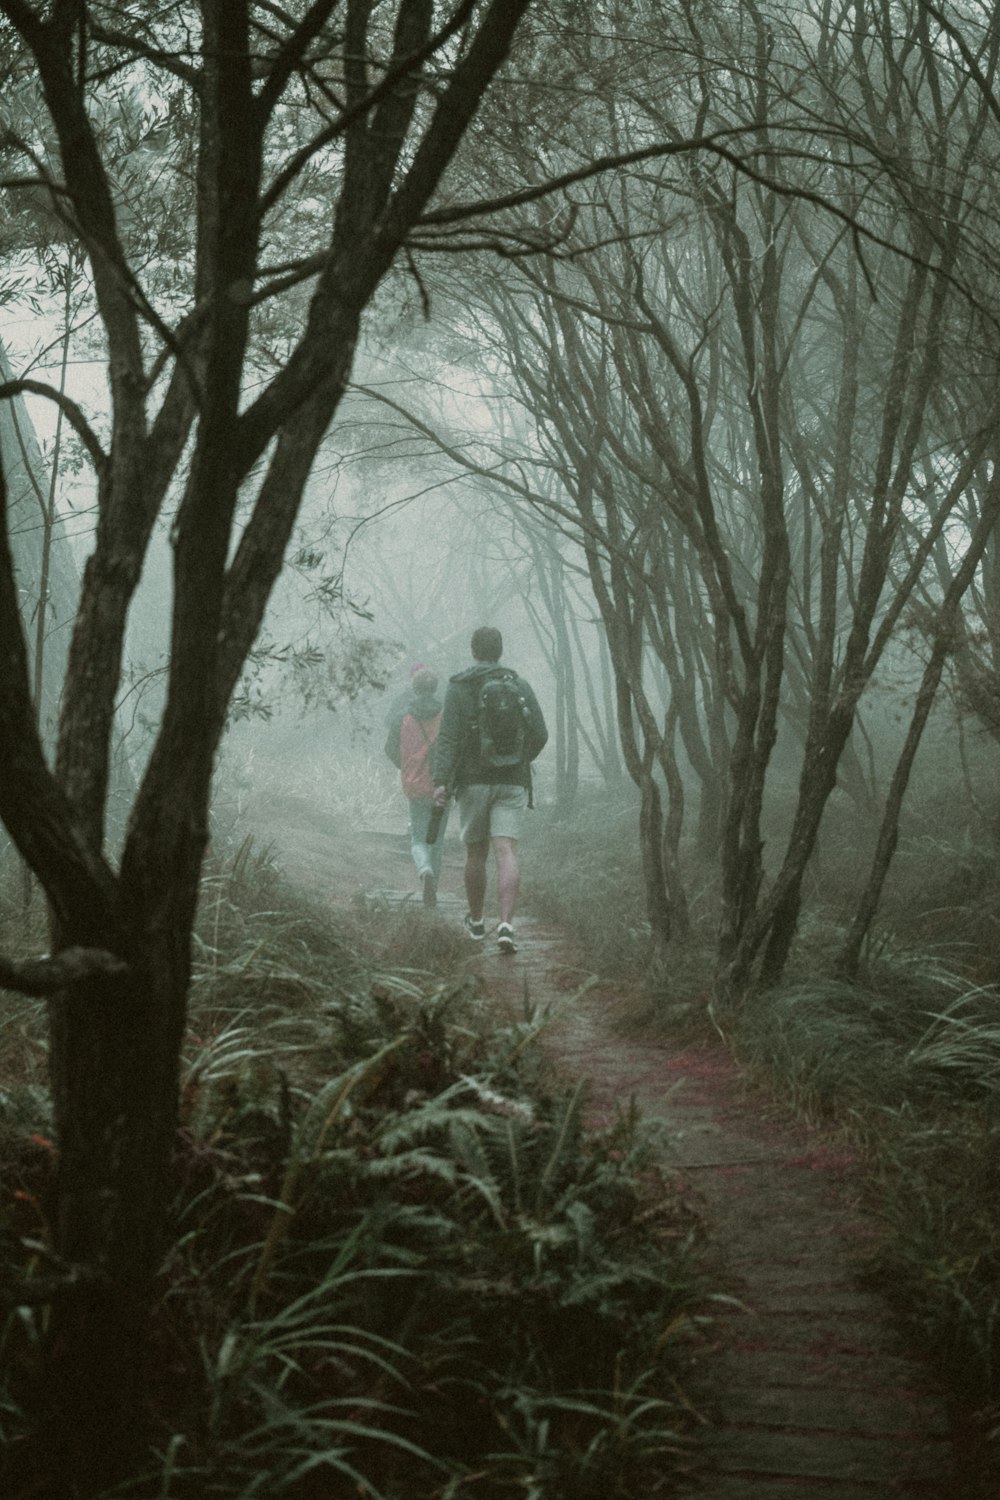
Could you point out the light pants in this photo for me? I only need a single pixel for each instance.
(426, 856)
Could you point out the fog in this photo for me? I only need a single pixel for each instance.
(712, 446)
(660, 340)
(443, 499)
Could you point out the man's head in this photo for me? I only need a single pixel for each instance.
(423, 681)
(487, 643)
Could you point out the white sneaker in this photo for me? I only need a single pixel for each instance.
(505, 938)
(476, 930)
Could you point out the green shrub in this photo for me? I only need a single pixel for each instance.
(399, 1265)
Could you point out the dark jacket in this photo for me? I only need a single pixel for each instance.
(456, 754)
(422, 706)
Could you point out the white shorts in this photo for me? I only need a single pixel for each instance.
(490, 812)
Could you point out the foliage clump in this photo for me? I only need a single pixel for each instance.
(399, 1263)
(585, 876)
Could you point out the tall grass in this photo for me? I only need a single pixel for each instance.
(583, 873)
(398, 1265)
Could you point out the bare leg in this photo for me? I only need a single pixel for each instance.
(508, 876)
(475, 877)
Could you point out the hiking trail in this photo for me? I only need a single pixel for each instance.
(811, 1396)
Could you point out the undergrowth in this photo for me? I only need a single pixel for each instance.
(582, 873)
(399, 1265)
(907, 1061)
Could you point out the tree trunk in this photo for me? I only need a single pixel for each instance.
(654, 876)
(115, 1050)
(672, 829)
(116, 1044)
(569, 783)
(778, 919)
(612, 765)
(711, 802)
(849, 958)
(948, 632)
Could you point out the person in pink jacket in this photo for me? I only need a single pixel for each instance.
(412, 733)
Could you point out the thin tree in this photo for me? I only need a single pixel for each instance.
(397, 95)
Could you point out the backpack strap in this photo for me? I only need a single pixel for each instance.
(421, 722)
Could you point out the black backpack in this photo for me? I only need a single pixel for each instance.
(501, 721)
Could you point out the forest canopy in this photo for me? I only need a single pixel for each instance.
(693, 309)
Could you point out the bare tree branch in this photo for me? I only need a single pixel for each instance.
(170, 62)
(382, 90)
(291, 54)
(70, 411)
(59, 971)
(461, 212)
(35, 809)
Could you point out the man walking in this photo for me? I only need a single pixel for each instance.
(491, 730)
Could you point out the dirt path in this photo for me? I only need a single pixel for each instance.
(813, 1397)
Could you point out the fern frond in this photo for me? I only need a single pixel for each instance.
(564, 1140)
